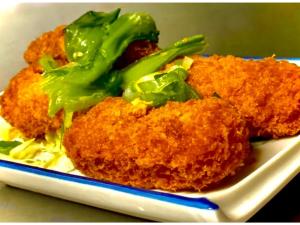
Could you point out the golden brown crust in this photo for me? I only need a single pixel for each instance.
(25, 106)
(266, 92)
(50, 43)
(180, 146)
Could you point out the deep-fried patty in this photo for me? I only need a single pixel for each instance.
(180, 146)
(50, 43)
(266, 92)
(25, 106)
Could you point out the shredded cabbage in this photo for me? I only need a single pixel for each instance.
(48, 153)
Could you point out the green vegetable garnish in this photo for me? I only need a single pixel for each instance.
(154, 62)
(93, 44)
(158, 88)
(7, 146)
(48, 63)
(84, 36)
(72, 87)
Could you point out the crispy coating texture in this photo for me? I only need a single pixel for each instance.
(25, 106)
(180, 146)
(266, 92)
(50, 43)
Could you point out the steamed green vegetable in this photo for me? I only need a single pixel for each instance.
(71, 87)
(78, 97)
(84, 36)
(154, 62)
(7, 146)
(48, 63)
(158, 88)
(93, 44)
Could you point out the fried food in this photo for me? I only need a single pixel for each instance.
(179, 146)
(266, 92)
(50, 43)
(25, 106)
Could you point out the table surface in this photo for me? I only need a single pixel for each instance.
(19, 205)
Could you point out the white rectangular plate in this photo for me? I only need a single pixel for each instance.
(237, 199)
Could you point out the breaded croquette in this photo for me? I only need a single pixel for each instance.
(25, 106)
(266, 92)
(50, 43)
(179, 146)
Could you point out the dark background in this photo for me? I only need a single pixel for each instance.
(284, 207)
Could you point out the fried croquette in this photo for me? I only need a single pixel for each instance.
(50, 43)
(179, 146)
(266, 92)
(25, 106)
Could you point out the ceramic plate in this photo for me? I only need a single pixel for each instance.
(236, 199)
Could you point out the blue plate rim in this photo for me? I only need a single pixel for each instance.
(197, 202)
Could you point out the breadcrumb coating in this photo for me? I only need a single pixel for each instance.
(50, 43)
(180, 146)
(266, 92)
(25, 106)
